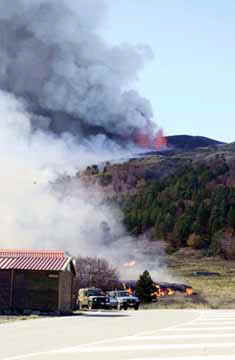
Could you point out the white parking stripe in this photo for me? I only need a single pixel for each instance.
(218, 322)
(181, 336)
(217, 357)
(218, 317)
(213, 321)
(202, 328)
(212, 312)
(145, 347)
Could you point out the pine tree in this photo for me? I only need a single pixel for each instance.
(231, 217)
(202, 217)
(145, 287)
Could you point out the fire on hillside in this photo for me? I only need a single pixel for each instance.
(157, 141)
(168, 289)
(162, 289)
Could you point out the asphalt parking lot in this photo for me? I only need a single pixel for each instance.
(138, 335)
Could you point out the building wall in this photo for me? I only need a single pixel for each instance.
(65, 291)
(36, 290)
(5, 289)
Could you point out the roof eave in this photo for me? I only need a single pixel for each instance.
(70, 261)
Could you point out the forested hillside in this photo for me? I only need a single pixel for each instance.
(188, 208)
(185, 199)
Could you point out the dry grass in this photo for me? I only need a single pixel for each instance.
(10, 318)
(214, 292)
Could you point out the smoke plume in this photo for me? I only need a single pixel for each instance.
(52, 56)
(64, 104)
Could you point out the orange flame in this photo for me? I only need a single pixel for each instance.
(130, 264)
(158, 142)
(189, 291)
(162, 292)
(170, 292)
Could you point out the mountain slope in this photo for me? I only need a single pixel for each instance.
(187, 142)
(185, 198)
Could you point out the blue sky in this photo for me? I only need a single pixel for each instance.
(191, 80)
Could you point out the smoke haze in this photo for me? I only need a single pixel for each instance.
(64, 104)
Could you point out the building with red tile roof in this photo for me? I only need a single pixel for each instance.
(39, 280)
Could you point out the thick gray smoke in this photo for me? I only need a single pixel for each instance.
(57, 77)
(70, 80)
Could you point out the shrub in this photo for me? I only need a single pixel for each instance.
(215, 245)
(227, 244)
(170, 250)
(231, 217)
(106, 179)
(195, 241)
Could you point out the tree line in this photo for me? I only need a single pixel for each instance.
(186, 209)
(98, 272)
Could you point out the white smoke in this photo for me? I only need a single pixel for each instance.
(31, 215)
(59, 78)
(35, 214)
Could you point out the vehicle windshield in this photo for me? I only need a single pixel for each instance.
(95, 292)
(123, 293)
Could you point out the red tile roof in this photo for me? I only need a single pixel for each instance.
(20, 259)
(31, 252)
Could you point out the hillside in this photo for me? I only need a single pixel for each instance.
(186, 198)
(187, 142)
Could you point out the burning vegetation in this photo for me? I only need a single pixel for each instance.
(130, 264)
(157, 141)
(149, 290)
(169, 289)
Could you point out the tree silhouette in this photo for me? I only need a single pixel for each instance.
(145, 287)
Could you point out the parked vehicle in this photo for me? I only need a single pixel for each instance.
(94, 298)
(124, 299)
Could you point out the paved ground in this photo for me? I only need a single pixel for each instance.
(131, 335)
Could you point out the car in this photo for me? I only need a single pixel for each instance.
(92, 298)
(111, 303)
(124, 299)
